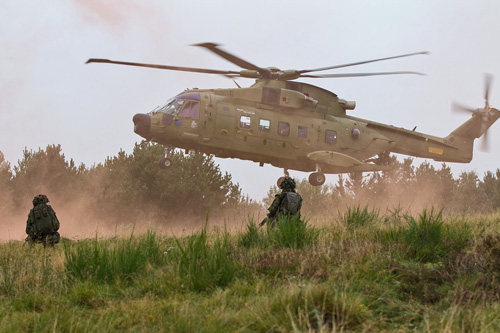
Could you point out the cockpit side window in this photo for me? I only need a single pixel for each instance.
(186, 109)
(190, 110)
(194, 109)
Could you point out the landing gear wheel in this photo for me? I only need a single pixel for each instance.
(165, 163)
(357, 177)
(317, 178)
(279, 181)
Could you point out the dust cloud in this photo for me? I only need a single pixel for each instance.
(113, 13)
(78, 220)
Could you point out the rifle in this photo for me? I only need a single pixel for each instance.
(261, 224)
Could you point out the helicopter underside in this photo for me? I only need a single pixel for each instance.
(318, 165)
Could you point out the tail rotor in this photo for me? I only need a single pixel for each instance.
(484, 112)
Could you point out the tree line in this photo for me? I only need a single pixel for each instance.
(124, 188)
(405, 186)
(130, 187)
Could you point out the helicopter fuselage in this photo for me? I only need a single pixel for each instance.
(290, 125)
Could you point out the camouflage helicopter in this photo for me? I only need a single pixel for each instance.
(294, 125)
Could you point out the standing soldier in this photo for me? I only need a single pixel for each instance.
(287, 203)
(42, 224)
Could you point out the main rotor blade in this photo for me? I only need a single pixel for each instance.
(455, 107)
(324, 76)
(174, 68)
(359, 63)
(229, 57)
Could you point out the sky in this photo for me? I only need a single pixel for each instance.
(49, 96)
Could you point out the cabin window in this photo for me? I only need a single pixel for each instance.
(331, 137)
(190, 110)
(283, 128)
(245, 122)
(302, 132)
(265, 125)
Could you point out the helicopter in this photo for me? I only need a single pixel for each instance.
(294, 125)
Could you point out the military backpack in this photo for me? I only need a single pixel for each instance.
(289, 203)
(43, 219)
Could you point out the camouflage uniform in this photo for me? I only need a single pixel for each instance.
(46, 238)
(276, 209)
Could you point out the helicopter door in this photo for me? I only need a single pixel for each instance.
(225, 122)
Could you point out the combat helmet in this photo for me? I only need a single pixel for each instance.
(288, 184)
(40, 199)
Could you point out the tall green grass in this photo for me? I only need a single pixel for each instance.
(372, 278)
(251, 236)
(426, 238)
(286, 232)
(103, 261)
(201, 265)
(358, 217)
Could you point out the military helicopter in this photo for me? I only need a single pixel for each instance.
(294, 125)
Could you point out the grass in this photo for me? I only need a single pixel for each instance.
(286, 232)
(358, 217)
(203, 266)
(395, 272)
(106, 261)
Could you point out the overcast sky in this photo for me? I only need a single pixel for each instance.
(49, 96)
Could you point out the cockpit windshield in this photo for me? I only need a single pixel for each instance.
(175, 105)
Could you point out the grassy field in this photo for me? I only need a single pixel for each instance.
(360, 271)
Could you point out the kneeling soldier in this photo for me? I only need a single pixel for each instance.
(287, 203)
(42, 224)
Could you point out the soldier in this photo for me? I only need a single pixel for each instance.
(42, 224)
(286, 203)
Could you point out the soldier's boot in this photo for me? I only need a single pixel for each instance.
(53, 239)
(30, 241)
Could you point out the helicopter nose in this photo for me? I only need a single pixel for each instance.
(142, 124)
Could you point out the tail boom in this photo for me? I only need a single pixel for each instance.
(463, 136)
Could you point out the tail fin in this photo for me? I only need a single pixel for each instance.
(463, 137)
